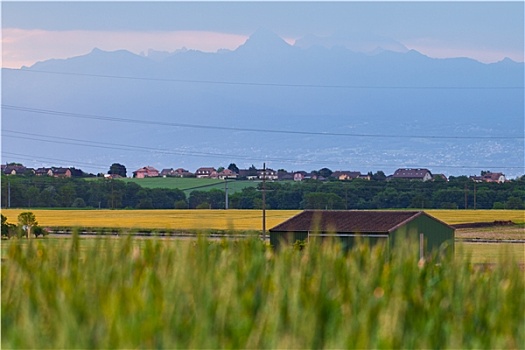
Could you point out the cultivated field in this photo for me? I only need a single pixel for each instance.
(194, 220)
(219, 219)
(122, 293)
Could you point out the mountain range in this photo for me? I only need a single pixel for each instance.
(346, 104)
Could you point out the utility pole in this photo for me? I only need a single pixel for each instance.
(474, 195)
(346, 197)
(8, 193)
(226, 193)
(466, 196)
(264, 201)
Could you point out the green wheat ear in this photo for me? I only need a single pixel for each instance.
(120, 292)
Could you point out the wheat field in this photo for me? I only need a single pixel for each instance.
(239, 220)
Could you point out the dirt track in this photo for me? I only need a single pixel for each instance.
(493, 233)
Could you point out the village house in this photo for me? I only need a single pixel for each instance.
(283, 175)
(248, 174)
(58, 172)
(204, 172)
(147, 171)
(167, 172)
(489, 177)
(300, 175)
(14, 169)
(440, 177)
(225, 174)
(413, 174)
(366, 177)
(268, 174)
(44, 172)
(346, 175)
(61, 172)
(180, 172)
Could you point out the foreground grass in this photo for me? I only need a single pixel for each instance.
(125, 293)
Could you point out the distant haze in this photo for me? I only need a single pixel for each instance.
(37, 31)
(297, 107)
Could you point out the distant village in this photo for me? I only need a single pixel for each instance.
(253, 173)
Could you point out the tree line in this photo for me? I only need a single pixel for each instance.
(457, 193)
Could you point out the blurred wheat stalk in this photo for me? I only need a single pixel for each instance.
(126, 293)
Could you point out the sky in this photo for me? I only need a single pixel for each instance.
(37, 31)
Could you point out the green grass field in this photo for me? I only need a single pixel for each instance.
(122, 293)
(191, 184)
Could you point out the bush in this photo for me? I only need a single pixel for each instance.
(449, 205)
(39, 231)
(203, 205)
(498, 205)
(181, 204)
(78, 203)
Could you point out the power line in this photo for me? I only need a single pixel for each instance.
(47, 159)
(241, 83)
(112, 146)
(117, 146)
(236, 129)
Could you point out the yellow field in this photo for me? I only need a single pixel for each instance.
(452, 217)
(218, 219)
(157, 219)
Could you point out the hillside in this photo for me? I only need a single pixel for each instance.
(191, 184)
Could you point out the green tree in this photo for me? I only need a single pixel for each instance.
(27, 220)
(325, 172)
(233, 167)
(252, 171)
(117, 169)
(7, 228)
(514, 203)
(32, 196)
(196, 198)
(322, 200)
(378, 176)
(66, 195)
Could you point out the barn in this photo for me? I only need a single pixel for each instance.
(375, 226)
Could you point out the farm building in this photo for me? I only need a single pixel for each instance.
(375, 226)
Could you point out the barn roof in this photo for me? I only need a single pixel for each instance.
(346, 221)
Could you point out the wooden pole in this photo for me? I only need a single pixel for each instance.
(264, 201)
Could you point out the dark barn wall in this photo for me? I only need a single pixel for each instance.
(348, 243)
(435, 233)
(289, 238)
(278, 238)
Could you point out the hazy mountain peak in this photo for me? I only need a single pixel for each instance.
(264, 40)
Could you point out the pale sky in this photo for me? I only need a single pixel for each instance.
(36, 31)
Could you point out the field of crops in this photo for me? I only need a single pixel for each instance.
(122, 293)
(219, 219)
(157, 219)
